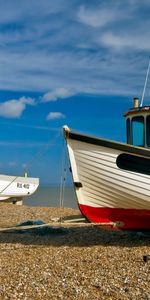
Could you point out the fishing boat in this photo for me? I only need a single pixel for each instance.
(112, 179)
(14, 188)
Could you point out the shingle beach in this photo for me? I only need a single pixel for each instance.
(73, 262)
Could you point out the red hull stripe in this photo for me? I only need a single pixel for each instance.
(130, 218)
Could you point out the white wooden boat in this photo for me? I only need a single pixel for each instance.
(112, 179)
(14, 188)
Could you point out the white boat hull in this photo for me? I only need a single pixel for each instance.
(105, 192)
(14, 187)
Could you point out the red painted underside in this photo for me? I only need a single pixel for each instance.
(131, 218)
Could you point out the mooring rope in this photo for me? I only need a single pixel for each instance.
(62, 180)
(58, 224)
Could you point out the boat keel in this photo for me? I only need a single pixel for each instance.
(132, 219)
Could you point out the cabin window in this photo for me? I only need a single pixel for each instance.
(133, 163)
(138, 132)
(128, 131)
(148, 130)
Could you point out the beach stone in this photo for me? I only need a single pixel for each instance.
(86, 263)
(146, 296)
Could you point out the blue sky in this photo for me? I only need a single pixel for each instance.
(70, 62)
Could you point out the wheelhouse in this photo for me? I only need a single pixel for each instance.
(138, 125)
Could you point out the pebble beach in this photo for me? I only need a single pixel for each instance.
(71, 262)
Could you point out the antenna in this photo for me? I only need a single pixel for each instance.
(141, 104)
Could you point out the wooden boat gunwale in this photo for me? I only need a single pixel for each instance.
(107, 143)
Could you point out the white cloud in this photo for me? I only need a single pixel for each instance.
(58, 93)
(97, 17)
(12, 164)
(55, 116)
(36, 127)
(134, 41)
(18, 144)
(14, 108)
(17, 11)
(64, 44)
(24, 166)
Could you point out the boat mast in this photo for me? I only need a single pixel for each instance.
(141, 104)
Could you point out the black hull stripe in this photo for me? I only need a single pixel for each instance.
(109, 144)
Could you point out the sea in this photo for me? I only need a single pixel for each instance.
(49, 196)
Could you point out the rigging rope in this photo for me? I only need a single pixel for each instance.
(141, 104)
(40, 153)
